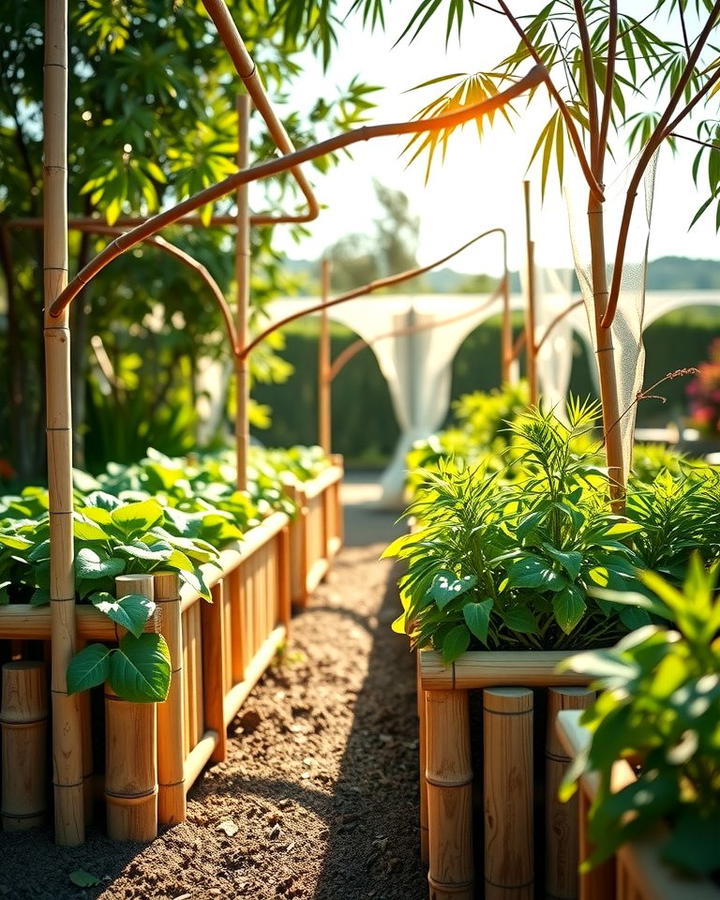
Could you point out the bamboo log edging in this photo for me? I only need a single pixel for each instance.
(506, 679)
(561, 836)
(449, 796)
(640, 873)
(131, 779)
(21, 621)
(170, 714)
(24, 725)
(508, 793)
(66, 717)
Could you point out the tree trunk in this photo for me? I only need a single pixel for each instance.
(606, 357)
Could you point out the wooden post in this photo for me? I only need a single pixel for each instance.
(240, 630)
(530, 347)
(506, 350)
(508, 793)
(212, 661)
(561, 829)
(66, 719)
(131, 783)
(170, 714)
(324, 382)
(23, 719)
(242, 279)
(422, 754)
(449, 796)
(338, 460)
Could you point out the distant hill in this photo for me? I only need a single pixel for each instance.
(669, 273)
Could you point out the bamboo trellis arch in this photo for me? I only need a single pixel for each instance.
(58, 293)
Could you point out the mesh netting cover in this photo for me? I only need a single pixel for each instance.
(627, 327)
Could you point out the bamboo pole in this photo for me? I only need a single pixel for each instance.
(530, 346)
(506, 359)
(66, 718)
(561, 819)
(283, 580)
(324, 410)
(238, 631)
(131, 781)
(242, 279)
(24, 724)
(508, 793)
(170, 714)
(449, 796)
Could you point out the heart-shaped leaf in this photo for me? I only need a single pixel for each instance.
(477, 618)
(89, 667)
(446, 586)
(135, 518)
(131, 612)
(569, 607)
(140, 669)
(88, 531)
(90, 565)
(455, 643)
(520, 618)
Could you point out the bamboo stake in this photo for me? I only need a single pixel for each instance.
(449, 796)
(530, 347)
(240, 650)
(131, 781)
(24, 724)
(508, 793)
(324, 410)
(561, 819)
(283, 579)
(212, 661)
(170, 714)
(66, 719)
(242, 279)
(506, 359)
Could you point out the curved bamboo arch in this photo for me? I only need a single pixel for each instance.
(373, 286)
(151, 226)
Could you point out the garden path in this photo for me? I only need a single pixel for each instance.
(318, 797)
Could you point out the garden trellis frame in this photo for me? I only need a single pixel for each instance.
(58, 294)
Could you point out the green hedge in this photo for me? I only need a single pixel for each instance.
(364, 427)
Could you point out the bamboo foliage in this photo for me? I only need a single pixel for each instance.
(66, 719)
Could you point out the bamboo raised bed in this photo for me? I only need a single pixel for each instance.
(316, 534)
(511, 683)
(636, 872)
(155, 752)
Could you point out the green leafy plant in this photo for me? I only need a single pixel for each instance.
(510, 563)
(659, 706)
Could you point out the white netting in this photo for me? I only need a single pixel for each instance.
(627, 328)
(553, 297)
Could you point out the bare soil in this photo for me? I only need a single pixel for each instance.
(318, 797)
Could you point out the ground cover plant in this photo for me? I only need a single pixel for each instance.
(160, 514)
(659, 706)
(513, 562)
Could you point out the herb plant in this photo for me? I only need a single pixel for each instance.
(510, 564)
(660, 705)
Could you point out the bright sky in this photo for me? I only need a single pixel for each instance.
(479, 186)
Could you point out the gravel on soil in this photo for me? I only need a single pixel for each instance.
(318, 797)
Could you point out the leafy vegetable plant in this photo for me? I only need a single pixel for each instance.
(510, 564)
(660, 705)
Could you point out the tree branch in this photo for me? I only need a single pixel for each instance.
(592, 101)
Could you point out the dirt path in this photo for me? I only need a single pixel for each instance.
(318, 797)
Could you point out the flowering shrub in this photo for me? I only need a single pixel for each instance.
(704, 392)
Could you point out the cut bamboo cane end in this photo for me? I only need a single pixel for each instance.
(435, 675)
(508, 700)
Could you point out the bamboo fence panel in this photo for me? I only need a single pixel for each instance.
(24, 725)
(636, 872)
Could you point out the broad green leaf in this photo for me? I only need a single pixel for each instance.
(134, 518)
(15, 542)
(88, 531)
(569, 607)
(83, 879)
(90, 565)
(446, 586)
(693, 842)
(477, 618)
(140, 669)
(455, 643)
(88, 668)
(533, 572)
(570, 560)
(131, 611)
(520, 618)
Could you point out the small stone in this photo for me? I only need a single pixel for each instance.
(275, 831)
(228, 827)
(250, 721)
